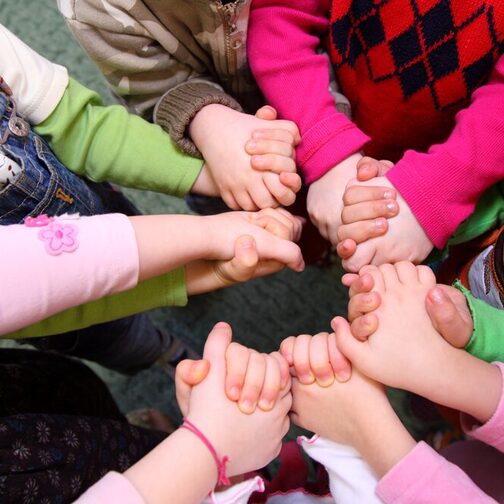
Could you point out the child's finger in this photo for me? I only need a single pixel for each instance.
(267, 113)
(291, 180)
(271, 387)
(406, 272)
(361, 194)
(347, 344)
(244, 200)
(319, 360)
(368, 168)
(229, 199)
(363, 303)
(425, 275)
(254, 380)
(283, 366)
(244, 263)
(364, 282)
(261, 196)
(363, 230)
(364, 326)
(281, 193)
(188, 374)
(265, 146)
(275, 226)
(276, 134)
(363, 255)
(346, 248)
(301, 357)
(446, 318)
(342, 368)
(369, 210)
(280, 216)
(289, 126)
(237, 357)
(287, 349)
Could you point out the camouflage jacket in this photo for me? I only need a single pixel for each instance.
(178, 55)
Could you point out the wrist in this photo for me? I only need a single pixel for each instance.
(385, 442)
(203, 122)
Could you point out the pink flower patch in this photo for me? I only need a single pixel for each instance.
(59, 238)
(38, 221)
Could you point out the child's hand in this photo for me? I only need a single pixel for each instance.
(325, 198)
(446, 306)
(405, 239)
(230, 431)
(255, 379)
(252, 160)
(405, 347)
(274, 231)
(315, 358)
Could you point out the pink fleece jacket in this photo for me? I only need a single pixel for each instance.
(441, 186)
(52, 264)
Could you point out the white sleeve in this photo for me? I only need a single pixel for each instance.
(37, 84)
(351, 479)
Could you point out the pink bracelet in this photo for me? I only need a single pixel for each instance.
(221, 464)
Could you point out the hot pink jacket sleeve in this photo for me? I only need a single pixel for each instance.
(282, 41)
(62, 263)
(443, 186)
(425, 476)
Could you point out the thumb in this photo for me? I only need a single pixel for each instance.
(244, 263)
(446, 318)
(215, 348)
(188, 374)
(267, 112)
(345, 342)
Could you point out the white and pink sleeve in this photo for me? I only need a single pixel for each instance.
(51, 264)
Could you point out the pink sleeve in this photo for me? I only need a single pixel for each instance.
(492, 432)
(282, 41)
(425, 476)
(63, 263)
(443, 186)
(113, 487)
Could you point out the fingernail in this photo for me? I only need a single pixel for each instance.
(307, 378)
(379, 223)
(343, 376)
(388, 194)
(257, 160)
(437, 296)
(221, 324)
(251, 145)
(391, 206)
(265, 404)
(235, 392)
(246, 406)
(326, 380)
(247, 242)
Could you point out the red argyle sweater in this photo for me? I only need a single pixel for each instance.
(408, 66)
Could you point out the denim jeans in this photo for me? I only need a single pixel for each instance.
(45, 186)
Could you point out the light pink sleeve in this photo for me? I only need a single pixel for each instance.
(113, 487)
(443, 186)
(282, 41)
(492, 432)
(47, 269)
(425, 476)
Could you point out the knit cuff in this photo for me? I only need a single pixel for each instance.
(177, 107)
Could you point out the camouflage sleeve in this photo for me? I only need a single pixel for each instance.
(177, 107)
(140, 59)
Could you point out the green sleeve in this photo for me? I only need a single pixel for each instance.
(165, 290)
(109, 144)
(487, 340)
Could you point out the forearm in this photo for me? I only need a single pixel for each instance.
(283, 41)
(109, 144)
(461, 383)
(181, 469)
(158, 292)
(443, 185)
